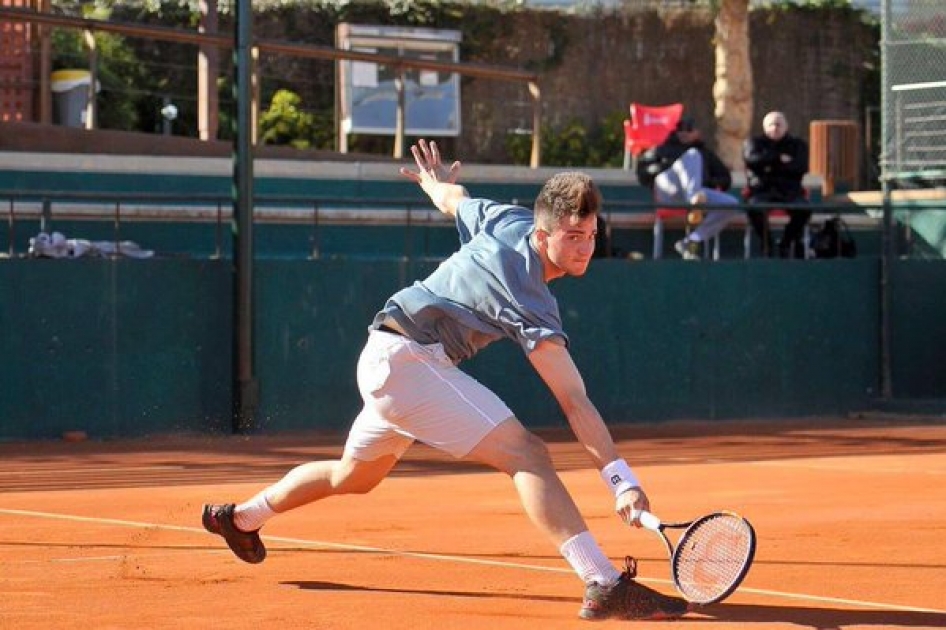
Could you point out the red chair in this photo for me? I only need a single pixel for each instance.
(647, 127)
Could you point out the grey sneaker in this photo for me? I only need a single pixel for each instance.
(627, 599)
(687, 249)
(218, 519)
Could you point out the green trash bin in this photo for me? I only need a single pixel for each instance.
(71, 94)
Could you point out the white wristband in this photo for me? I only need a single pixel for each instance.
(619, 477)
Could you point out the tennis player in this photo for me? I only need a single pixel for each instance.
(493, 287)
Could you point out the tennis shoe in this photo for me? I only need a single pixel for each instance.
(628, 599)
(687, 249)
(218, 519)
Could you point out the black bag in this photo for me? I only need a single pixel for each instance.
(833, 240)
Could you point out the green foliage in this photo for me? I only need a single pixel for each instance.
(558, 47)
(574, 145)
(138, 75)
(286, 123)
(833, 6)
(101, 9)
(612, 138)
(118, 69)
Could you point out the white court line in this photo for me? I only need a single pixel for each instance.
(121, 556)
(449, 558)
(837, 465)
(26, 472)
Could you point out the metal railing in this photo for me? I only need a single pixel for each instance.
(47, 208)
(309, 51)
(44, 210)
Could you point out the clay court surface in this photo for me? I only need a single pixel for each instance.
(850, 514)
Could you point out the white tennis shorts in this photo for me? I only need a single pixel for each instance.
(414, 392)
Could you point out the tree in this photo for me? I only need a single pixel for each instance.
(118, 73)
(285, 122)
(733, 88)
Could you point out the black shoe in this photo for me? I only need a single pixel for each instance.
(768, 248)
(627, 599)
(218, 519)
(791, 249)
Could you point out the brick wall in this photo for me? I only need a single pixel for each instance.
(16, 67)
(808, 65)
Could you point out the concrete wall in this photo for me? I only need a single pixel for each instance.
(129, 347)
(114, 348)
(132, 347)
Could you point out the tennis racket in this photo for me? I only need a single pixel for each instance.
(712, 556)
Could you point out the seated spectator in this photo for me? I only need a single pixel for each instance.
(777, 162)
(683, 170)
(602, 244)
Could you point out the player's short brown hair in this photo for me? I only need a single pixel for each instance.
(567, 194)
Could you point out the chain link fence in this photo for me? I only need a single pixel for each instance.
(913, 57)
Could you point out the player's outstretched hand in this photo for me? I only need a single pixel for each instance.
(430, 165)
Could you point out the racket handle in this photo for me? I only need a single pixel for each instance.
(647, 520)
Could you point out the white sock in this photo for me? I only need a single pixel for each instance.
(588, 561)
(251, 515)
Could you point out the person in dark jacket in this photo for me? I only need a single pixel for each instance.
(777, 162)
(683, 170)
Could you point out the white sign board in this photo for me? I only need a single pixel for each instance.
(368, 98)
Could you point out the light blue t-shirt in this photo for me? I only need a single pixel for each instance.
(491, 288)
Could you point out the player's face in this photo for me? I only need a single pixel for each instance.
(688, 137)
(570, 245)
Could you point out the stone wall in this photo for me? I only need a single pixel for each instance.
(810, 65)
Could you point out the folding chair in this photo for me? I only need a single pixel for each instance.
(665, 215)
(648, 126)
(777, 213)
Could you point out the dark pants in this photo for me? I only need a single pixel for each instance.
(791, 244)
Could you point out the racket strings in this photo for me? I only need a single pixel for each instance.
(712, 557)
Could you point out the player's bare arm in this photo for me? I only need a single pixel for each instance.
(436, 179)
(555, 366)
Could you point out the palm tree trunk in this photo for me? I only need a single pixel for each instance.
(733, 88)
